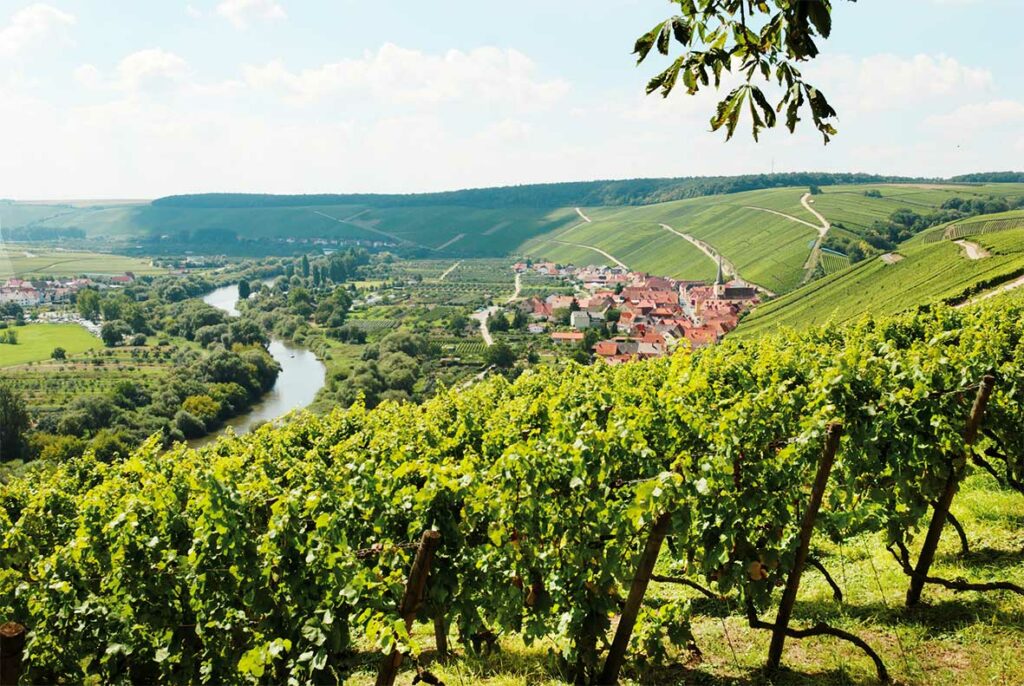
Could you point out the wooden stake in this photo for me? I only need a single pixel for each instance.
(617, 654)
(12, 647)
(441, 636)
(828, 456)
(940, 511)
(411, 600)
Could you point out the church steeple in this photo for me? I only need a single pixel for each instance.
(720, 279)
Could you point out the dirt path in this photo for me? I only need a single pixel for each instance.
(481, 317)
(806, 201)
(448, 271)
(973, 250)
(519, 288)
(811, 265)
(597, 250)
(449, 242)
(728, 267)
(582, 216)
(1013, 285)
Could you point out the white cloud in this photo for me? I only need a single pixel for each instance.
(242, 13)
(890, 82)
(193, 11)
(400, 75)
(977, 117)
(152, 69)
(32, 24)
(88, 75)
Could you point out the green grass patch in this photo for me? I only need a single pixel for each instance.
(37, 341)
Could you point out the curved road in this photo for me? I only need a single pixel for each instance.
(727, 267)
(611, 257)
(973, 250)
(811, 265)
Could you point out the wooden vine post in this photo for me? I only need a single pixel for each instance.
(941, 509)
(828, 457)
(637, 590)
(12, 647)
(411, 600)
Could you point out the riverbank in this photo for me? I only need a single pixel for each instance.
(301, 378)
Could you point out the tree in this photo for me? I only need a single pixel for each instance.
(14, 424)
(500, 355)
(497, 322)
(305, 266)
(763, 40)
(59, 354)
(88, 302)
(519, 319)
(244, 290)
(814, 189)
(114, 332)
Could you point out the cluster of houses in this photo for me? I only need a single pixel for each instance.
(33, 293)
(648, 315)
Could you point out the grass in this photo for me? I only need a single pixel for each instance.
(928, 272)
(24, 261)
(952, 640)
(37, 341)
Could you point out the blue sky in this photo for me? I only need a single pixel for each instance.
(125, 99)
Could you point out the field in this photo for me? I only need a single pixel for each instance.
(37, 341)
(24, 261)
(928, 272)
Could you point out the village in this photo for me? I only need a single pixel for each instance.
(649, 315)
(49, 292)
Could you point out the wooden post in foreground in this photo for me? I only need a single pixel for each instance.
(828, 457)
(12, 647)
(441, 636)
(941, 510)
(410, 601)
(617, 654)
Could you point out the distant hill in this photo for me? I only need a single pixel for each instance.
(546, 195)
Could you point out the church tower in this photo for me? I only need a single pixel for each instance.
(720, 280)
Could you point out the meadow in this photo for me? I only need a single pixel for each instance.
(26, 261)
(37, 341)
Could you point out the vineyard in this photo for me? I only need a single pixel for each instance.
(51, 385)
(928, 273)
(283, 555)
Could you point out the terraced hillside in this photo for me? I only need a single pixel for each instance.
(918, 274)
(772, 237)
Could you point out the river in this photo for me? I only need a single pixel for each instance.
(301, 377)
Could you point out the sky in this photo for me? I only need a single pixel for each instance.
(131, 99)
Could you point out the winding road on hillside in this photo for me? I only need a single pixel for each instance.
(811, 265)
(584, 217)
(999, 290)
(727, 267)
(611, 257)
(973, 250)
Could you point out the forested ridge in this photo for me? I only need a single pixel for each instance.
(577, 193)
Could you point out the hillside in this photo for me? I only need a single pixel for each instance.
(919, 273)
(773, 237)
